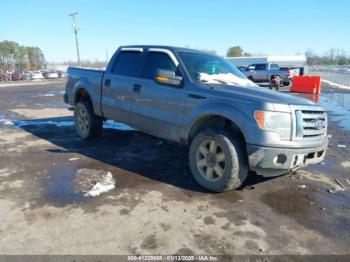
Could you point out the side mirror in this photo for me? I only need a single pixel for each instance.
(167, 77)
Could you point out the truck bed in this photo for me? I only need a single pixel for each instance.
(91, 78)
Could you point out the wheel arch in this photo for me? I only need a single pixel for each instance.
(214, 121)
(81, 94)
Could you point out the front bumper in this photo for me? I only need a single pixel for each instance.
(283, 159)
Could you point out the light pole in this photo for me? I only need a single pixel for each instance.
(76, 34)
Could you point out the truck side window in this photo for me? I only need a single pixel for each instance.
(251, 67)
(157, 60)
(274, 67)
(128, 63)
(260, 67)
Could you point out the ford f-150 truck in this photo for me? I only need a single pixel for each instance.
(198, 99)
(264, 72)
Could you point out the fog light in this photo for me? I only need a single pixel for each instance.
(280, 159)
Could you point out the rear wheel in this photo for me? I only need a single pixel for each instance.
(218, 160)
(87, 124)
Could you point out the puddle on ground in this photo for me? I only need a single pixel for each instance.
(60, 186)
(338, 104)
(68, 184)
(291, 202)
(51, 94)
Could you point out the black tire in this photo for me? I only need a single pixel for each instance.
(287, 84)
(235, 169)
(92, 126)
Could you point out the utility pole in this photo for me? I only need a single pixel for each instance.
(76, 34)
(13, 66)
(13, 62)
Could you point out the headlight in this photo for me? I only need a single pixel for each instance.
(281, 123)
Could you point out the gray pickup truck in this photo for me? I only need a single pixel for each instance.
(264, 72)
(194, 98)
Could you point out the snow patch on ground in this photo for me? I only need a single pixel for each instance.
(22, 123)
(6, 122)
(335, 84)
(346, 164)
(4, 172)
(228, 78)
(52, 93)
(106, 184)
(48, 95)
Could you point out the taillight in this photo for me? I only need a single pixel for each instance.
(288, 73)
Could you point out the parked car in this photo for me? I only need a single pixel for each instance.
(17, 75)
(27, 75)
(198, 99)
(50, 74)
(265, 72)
(7, 75)
(61, 74)
(36, 75)
(2, 75)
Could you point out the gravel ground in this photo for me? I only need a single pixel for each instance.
(147, 201)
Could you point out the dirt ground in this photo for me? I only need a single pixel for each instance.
(153, 205)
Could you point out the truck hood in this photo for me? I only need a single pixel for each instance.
(256, 94)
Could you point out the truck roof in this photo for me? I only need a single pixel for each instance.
(172, 48)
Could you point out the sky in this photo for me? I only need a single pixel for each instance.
(261, 27)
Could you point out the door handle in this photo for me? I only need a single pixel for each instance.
(196, 96)
(136, 88)
(107, 82)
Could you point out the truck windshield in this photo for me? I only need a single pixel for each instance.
(204, 67)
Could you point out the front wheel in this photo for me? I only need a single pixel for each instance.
(87, 124)
(218, 160)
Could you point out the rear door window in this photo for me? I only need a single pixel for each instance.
(128, 63)
(157, 60)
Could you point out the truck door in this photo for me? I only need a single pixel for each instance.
(274, 70)
(117, 85)
(261, 73)
(158, 109)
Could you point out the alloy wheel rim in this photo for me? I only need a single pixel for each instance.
(211, 160)
(83, 122)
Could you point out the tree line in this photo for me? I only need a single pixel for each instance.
(14, 56)
(235, 51)
(334, 56)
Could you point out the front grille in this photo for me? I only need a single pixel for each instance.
(314, 123)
